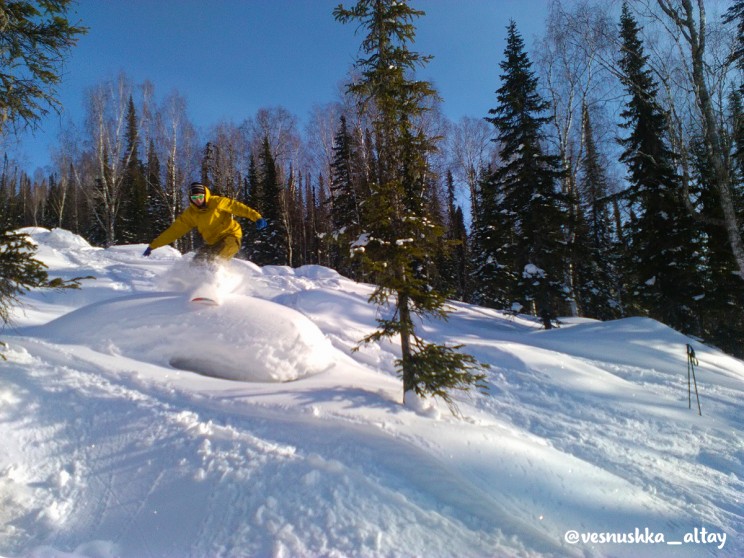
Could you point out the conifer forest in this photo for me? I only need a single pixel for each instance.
(606, 180)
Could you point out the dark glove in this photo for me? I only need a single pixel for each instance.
(261, 224)
(147, 252)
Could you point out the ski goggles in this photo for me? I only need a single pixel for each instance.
(197, 197)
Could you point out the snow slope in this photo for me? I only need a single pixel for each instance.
(134, 423)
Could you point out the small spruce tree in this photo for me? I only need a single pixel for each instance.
(398, 235)
(20, 272)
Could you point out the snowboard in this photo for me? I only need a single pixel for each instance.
(207, 294)
(205, 300)
(209, 281)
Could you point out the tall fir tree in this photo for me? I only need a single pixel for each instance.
(133, 220)
(437, 261)
(597, 276)
(6, 194)
(494, 278)
(310, 223)
(158, 214)
(345, 202)
(175, 200)
(735, 15)
(323, 222)
(209, 168)
(74, 205)
(663, 276)
(455, 265)
(102, 219)
(526, 196)
(737, 148)
(55, 203)
(271, 245)
(294, 211)
(722, 314)
(252, 197)
(398, 234)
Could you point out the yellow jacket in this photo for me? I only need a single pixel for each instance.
(213, 220)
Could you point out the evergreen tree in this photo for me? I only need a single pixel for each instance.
(737, 148)
(158, 214)
(454, 268)
(664, 247)
(35, 38)
(75, 204)
(209, 168)
(529, 201)
(20, 272)
(722, 314)
(293, 204)
(345, 203)
(494, 280)
(55, 203)
(175, 201)
(596, 269)
(439, 276)
(271, 245)
(6, 194)
(312, 247)
(461, 256)
(323, 223)
(133, 222)
(735, 14)
(11, 208)
(252, 197)
(398, 235)
(253, 194)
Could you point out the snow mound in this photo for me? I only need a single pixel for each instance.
(245, 339)
(60, 239)
(263, 342)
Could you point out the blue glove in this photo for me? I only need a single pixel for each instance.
(261, 224)
(147, 252)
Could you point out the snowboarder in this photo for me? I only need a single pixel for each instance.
(212, 216)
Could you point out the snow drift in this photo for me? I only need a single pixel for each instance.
(244, 339)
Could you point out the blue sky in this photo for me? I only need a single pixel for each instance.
(229, 58)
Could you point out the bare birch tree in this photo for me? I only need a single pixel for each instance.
(471, 149)
(280, 127)
(175, 138)
(229, 159)
(573, 78)
(686, 23)
(106, 128)
(319, 133)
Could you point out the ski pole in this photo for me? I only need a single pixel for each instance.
(692, 362)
